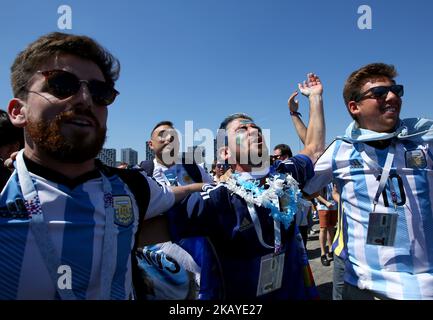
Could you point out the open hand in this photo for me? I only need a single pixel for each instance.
(312, 86)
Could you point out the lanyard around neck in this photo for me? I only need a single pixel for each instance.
(258, 228)
(384, 175)
(41, 233)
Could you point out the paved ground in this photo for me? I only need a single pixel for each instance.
(322, 275)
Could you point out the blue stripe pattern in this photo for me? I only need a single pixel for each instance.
(124, 240)
(342, 226)
(401, 265)
(78, 238)
(13, 239)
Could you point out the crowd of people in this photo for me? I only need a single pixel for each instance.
(73, 228)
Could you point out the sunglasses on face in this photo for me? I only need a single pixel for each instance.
(63, 84)
(381, 92)
(224, 166)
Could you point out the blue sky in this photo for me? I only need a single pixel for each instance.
(201, 60)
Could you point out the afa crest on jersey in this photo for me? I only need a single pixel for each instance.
(183, 177)
(123, 212)
(415, 159)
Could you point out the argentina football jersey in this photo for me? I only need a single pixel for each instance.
(83, 249)
(401, 266)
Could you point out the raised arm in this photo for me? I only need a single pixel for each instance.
(315, 137)
(300, 127)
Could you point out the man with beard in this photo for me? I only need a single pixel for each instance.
(249, 219)
(170, 272)
(68, 223)
(383, 169)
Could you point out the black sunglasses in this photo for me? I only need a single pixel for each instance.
(224, 166)
(381, 92)
(63, 84)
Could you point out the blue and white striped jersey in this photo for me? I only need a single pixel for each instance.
(404, 270)
(76, 224)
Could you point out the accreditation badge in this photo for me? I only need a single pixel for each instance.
(382, 228)
(123, 212)
(271, 273)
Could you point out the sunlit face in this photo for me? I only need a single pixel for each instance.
(71, 129)
(165, 143)
(246, 143)
(377, 114)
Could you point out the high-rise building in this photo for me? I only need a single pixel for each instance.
(129, 156)
(195, 154)
(108, 157)
(150, 155)
(215, 153)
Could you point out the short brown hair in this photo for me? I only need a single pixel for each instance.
(28, 61)
(372, 71)
(285, 149)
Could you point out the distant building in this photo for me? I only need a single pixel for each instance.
(108, 157)
(195, 154)
(129, 156)
(150, 155)
(215, 153)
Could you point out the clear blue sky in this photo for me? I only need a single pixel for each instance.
(203, 59)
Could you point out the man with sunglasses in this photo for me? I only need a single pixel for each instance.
(282, 152)
(220, 170)
(382, 167)
(68, 224)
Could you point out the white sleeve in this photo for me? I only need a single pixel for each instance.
(323, 173)
(161, 198)
(206, 177)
